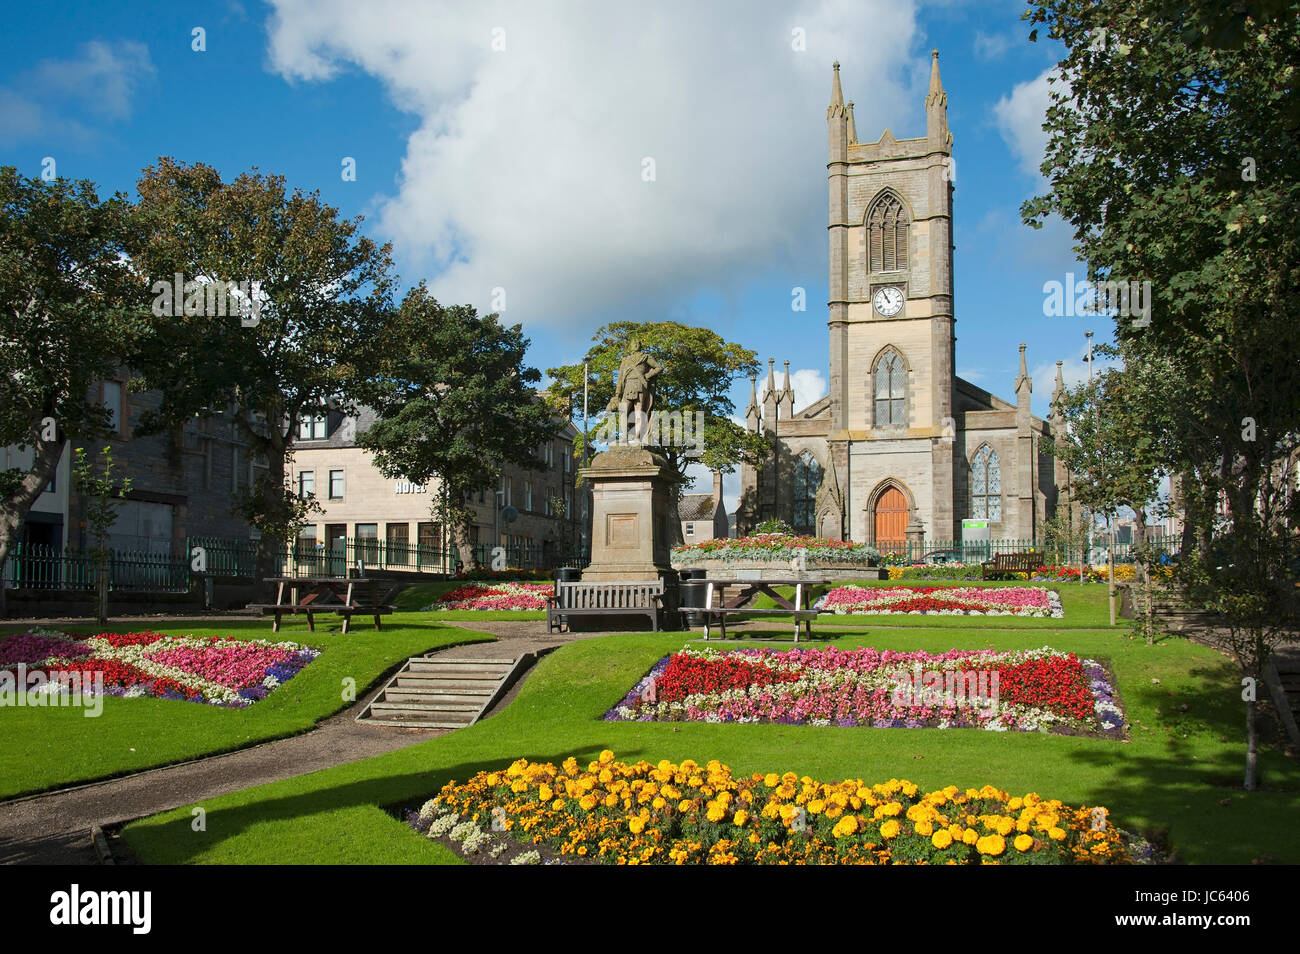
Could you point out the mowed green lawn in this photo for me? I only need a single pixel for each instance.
(43, 748)
(1180, 773)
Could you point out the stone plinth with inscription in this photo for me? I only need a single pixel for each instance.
(634, 514)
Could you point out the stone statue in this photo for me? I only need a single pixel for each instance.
(634, 394)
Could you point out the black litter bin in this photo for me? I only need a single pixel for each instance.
(692, 588)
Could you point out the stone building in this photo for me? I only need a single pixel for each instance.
(360, 503)
(901, 449)
(704, 516)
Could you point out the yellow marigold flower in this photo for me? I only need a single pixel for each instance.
(890, 829)
(1004, 826)
(716, 812)
(685, 805)
(636, 824)
(587, 802)
(740, 818)
(557, 804)
(545, 793)
(816, 806)
(611, 800)
(970, 836)
(924, 828)
(941, 838)
(1023, 842)
(848, 825)
(834, 811)
(606, 776)
(991, 845)
(1056, 834)
(658, 803)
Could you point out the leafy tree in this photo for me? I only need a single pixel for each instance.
(1172, 153)
(1112, 463)
(699, 370)
(456, 403)
(289, 347)
(64, 326)
(101, 489)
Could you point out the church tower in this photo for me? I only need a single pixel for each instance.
(891, 323)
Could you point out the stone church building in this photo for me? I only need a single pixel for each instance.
(901, 449)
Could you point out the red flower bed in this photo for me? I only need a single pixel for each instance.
(928, 604)
(118, 640)
(115, 673)
(1058, 683)
(686, 675)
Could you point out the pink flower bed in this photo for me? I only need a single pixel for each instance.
(495, 596)
(944, 600)
(209, 669)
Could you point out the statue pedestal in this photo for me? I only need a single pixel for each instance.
(633, 525)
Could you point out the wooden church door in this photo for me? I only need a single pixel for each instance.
(891, 518)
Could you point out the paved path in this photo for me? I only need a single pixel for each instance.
(55, 828)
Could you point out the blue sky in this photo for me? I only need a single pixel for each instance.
(502, 146)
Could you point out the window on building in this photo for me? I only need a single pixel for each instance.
(528, 495)
(690, 529)
(887, 234)
(307, 541)
(399, 543)
(336, 485)
(312, 428)
(986, 485)
(306, 483)
(567, 451)
(890, 390)
(482, 496)
(429, 539)
(113, 404)
(235, 469)
(367, 542)
(807, 478)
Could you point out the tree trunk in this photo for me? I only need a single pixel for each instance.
(14, 508)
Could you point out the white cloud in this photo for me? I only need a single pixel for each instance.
(1020, 117)
(101, 81)
(525, 172)
(991, 46)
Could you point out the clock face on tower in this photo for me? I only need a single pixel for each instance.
(888, 301)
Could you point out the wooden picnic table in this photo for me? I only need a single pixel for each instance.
(323, 594)
(718, 605)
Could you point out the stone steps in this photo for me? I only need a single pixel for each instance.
(442, 691)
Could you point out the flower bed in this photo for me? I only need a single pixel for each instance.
(944, 600)
(208, 669)
(1024, 690)
(494, 596)
(637, 813)
(775, 548)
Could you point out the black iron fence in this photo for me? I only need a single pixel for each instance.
(957, 551)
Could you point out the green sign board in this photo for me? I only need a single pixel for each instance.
(974, 524)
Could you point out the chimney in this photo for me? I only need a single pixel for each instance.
(717, 486)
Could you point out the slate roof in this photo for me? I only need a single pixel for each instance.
(697, 507)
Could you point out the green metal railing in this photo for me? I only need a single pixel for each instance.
(955, 551)
(45, 567)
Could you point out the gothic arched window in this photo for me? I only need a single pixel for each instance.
(887, 235)
(807, 478)
(986, 485)
(890, 390)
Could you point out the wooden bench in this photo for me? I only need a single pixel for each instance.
(798, 606)
(642, 598)
(1005, 563)
(357, 599)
